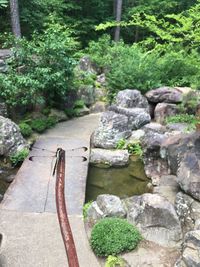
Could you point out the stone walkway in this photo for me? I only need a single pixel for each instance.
(28, 219)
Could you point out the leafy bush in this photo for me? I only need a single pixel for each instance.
(113, 261)
(40, 70)
(112, 236)
(132, 147)
(85, 209)
(39, 125)
(79, 104)
(25, 129)
(133, 66)
(19, 157)
(182, 118)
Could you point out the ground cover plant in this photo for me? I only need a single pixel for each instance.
(111, 236)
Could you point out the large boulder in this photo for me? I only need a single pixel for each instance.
(11, 140)
(154, 166)
(191, 249)
(137, 117)
(164, 110)
(155, 217)
(115, 158)
(188, 175)
(164, 94)
(131, 98)
(188, 211)
(175, 147)
(112, 128)
(105, 206)
(167, 187)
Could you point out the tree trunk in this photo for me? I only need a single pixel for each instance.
(14, 12)
(118, 19)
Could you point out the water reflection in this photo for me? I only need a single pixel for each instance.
(123, 182)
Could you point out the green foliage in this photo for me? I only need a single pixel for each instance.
(136, 67)
(19, 157)
(40, 125)
(112, 236)
(121, 144)
(3, 3)
(113, 261)
(79, 104)
(41, 70)
(182, 118)
(135, 148)
(85, 209)
(25, 129)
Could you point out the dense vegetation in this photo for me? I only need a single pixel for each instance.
(159, 45)
(111, 236)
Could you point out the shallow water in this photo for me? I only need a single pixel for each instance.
(122, 182)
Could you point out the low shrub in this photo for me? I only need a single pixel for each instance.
(79, 104)
(113, 261)
(39, 125)
(51, 121)
(182, 118)
(25, 129)
(112, 236)
(19, 157)
(85, 209)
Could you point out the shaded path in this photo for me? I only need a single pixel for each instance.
(28, 219)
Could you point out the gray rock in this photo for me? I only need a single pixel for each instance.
(3, 109)
(87, 94)
(137, 117)
(101, 79)
(178, 127)
(3, 66)
(112, 128)
(154, 127)
(164, 94)
(109, 157)
(58, 114)
(174, 147)
(154, 166)
(155, 217)
(191, 252)
(164, 110)
(85, 64)
(105, 206)
(188, 211)
(131, 98)
(136, 136)
(11, 140)
(188, 175)
(98, 107)
(167, 187)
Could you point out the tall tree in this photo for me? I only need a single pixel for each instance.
(15, 22)
(118, 5)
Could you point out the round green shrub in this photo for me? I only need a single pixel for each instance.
(25, 129)
(112, 236)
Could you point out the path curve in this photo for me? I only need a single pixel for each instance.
(28, 219)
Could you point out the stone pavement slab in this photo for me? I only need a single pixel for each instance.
(28, 219)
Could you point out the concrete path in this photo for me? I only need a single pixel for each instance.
(28, 219)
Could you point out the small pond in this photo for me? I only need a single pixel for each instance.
(122, 182)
